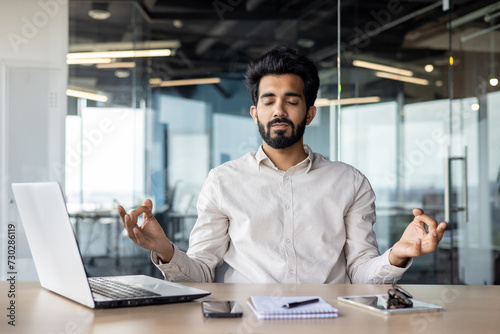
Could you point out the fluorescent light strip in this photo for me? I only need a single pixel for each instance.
(416, 81)
(354, 100)
(465, 38)
(117, 65)
(155, 81)
(117, 46)
(379, 67)
(86, 95)
(187, 82)
(120, 54)
(88, 61)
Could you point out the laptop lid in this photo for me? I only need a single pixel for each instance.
(55, 249)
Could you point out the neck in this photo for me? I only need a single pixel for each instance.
(285, 158)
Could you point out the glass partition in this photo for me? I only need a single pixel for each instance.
(107, 130)
(436, 63)
(417, 112)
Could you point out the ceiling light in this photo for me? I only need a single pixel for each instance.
(87, 95)
(178, 24)
(99, 11)
(474, 15)
(416, 81)
(120, 54)
(439, 83)
(122, 74)
(489, 17)
(429, 68)
(305, 43)
(355, 100)
(465, 38)
(475, 106)
(379, 67)
(117, 46)
(117, 65)
(88, 61)
(493, 82)
(187, 82)
(155, 81)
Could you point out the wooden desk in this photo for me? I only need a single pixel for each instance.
(468, 309)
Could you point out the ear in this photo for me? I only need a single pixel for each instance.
(253, 113)
(311, 112)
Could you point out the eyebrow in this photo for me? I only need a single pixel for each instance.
(286, 94)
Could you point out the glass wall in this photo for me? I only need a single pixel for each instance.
(431, 144)
(107, 131)
(416, 113)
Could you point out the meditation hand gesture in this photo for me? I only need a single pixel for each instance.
(149, 234)
(416, 240)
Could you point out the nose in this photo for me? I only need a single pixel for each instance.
(279, 109)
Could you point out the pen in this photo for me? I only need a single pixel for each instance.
(305, 302)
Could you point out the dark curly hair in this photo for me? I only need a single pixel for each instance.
(283, 60)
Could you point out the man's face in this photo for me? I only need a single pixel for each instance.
(281, 111)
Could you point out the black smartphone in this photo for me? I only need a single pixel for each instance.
(221, 309)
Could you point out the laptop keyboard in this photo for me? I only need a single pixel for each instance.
(118, 290)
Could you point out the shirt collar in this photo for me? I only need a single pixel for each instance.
(262, 158)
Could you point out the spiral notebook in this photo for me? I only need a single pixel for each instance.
(266, 307)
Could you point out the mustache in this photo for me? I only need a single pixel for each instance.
(280, 120)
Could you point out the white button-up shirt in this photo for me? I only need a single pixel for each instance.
(310, 224)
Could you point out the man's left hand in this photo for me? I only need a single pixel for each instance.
(415, 240)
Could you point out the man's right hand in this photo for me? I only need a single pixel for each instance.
(150, 234)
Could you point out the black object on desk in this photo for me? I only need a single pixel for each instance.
(305, 302)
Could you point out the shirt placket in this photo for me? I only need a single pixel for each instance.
(291, 265)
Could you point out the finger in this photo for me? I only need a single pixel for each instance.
(432, 223)
(440, 230)
(418, 212)
(122, 213)
(129, 226)
(139, 237)
(148, 203)
(420, 223)
(134, 214)
(432, 242)
(417, 248)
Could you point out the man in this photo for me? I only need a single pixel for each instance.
(284, 214)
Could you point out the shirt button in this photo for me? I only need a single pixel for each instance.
(287, 206)
(291, 272)
(287, 177)
(287, 241)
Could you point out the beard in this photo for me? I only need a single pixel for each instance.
(280, 140)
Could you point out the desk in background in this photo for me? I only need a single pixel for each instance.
(467, 309)
(114, 228)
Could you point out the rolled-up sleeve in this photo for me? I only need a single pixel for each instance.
(364, 263)
(208, 242)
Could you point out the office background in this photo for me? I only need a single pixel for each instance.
(418, 112)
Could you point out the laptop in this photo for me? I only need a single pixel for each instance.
(59, 263)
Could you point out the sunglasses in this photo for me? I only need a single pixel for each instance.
(399, 298)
